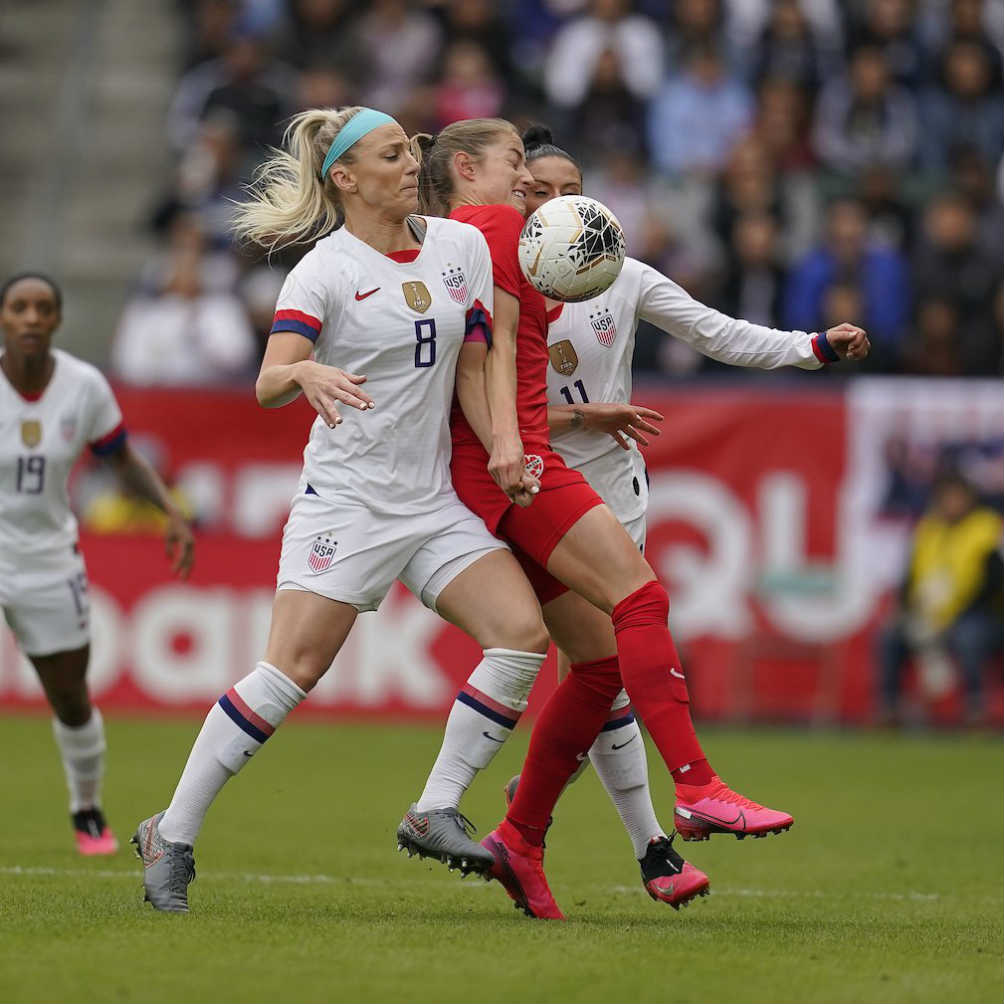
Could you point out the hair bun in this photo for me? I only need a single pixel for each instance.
(537, 135)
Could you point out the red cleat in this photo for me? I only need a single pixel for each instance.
(668, 878)
(519, 866)
(715, 808)
(92, 833)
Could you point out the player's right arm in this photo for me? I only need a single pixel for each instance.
(287, 371)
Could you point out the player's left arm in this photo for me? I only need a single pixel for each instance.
(139, 478)
(737, 342)
(622, 421)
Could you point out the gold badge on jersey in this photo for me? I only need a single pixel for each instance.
(417, 295)
(31, 432)
(563, 357)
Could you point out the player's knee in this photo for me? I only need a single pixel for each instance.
(528, 632)
(72, 706)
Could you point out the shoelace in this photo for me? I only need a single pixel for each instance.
(182, 871)
(469, 829)
(723, 793)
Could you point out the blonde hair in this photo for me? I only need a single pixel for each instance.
(435, 155)
(289, 201)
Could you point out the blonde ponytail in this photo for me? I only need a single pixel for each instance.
(289, 201)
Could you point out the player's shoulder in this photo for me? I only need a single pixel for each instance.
(494, 219)
(78, 370)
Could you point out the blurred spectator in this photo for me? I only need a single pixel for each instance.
(781, 125)
(698, 116)
(786, 49)
(747, 20)
(754, 280)
(322, 86)
(258, 291)
(399, 46)
(862, 118)
(748, 185)
(967, 109)
(610, 42)
(694, 23)
(469, 88)
(949, 604)
(242, 81)
(316, 33)
(207, 27)
(890, 218)
(479, 21)
(951, 264)
(184, 333)
(933, 347)
(890, 26)
(972, 178)
(848, 256)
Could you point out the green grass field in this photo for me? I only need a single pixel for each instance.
(889, 887)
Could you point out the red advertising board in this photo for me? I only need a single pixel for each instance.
(765, 523)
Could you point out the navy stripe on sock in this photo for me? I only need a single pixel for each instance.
(240, 721)
(482, 709)
(618, 723)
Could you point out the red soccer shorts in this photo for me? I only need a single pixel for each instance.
(564, 498)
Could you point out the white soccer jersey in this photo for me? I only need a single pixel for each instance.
(40, 441)
(401, 324)
(591, 345)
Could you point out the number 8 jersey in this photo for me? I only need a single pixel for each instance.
(40, 441)
(400, 320)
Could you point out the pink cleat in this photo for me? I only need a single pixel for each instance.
(715, 808)
(92, 833)
(668, 878)
(519, 866)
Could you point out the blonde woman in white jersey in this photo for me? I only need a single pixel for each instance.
(52, 406)
(393, 308)
(593, 423)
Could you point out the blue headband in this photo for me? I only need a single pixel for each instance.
(358, 126)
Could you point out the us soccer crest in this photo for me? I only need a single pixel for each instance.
(322, 553)
(417, 295)
(563, 357)
(68, 427)
(31, 432)
(603, 324)
(456, 284)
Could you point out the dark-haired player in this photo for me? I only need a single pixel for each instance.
(52, 406)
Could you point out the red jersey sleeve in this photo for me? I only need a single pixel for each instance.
(501, 226)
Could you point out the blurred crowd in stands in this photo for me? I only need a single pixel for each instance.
(793, 162)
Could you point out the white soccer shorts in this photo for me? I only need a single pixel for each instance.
(353, 554)
(44, 600)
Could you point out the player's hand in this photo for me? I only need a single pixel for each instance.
(849, 341)
(327, 386)
(622, 421)
(507, 466)
(179, 544)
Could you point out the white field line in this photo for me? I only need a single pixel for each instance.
(266, 879)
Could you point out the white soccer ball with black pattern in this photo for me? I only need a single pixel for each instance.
(571, 248)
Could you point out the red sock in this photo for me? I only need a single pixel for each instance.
(566, 728)
(697, 773)
(653, 678)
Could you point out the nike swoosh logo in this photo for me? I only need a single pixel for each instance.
(719, 819)
(673, 672)
(248, 754)
(614, 746)
(493, 739)
(362, 296)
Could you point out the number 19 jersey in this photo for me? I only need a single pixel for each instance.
(401, 323)
(40, 441)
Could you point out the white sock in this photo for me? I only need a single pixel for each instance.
(618, 757)
(481, 720)
(82, 748)
(234, 730)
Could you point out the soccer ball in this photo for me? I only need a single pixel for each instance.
(571, 248)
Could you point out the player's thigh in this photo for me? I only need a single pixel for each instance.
(582, 632)
(306, 633)
(471, 579)
(598, 559)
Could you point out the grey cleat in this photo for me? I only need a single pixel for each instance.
(443, 834)
(168, 868)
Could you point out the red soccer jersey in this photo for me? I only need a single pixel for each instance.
(501, 226)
